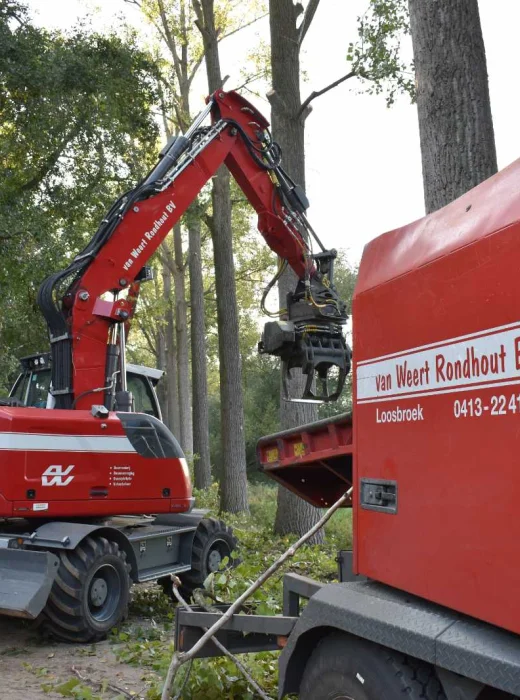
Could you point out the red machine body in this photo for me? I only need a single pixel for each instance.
(436, 319)
(144, 227)
(80, 458)
(83, 466)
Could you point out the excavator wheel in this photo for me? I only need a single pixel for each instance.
(213, 542)
(90, 593)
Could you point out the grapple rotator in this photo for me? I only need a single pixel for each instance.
(311, 337)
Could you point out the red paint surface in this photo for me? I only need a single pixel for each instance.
(456, 534)
(91, 319)
(22, 470)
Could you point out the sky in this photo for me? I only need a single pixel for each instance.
(363, 159)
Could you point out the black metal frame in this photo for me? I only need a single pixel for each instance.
(245, 633)
(468, 655)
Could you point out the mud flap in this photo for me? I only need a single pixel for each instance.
(26, 578)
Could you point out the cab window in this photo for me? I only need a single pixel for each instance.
(19, 390)
(149, 437)
(39, 389)
(143, 396)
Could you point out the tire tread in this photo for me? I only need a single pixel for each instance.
(63, 617)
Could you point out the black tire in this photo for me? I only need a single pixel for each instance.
(213, 541)
(90, 593)
(348, 668)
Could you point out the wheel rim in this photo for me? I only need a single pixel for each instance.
(217, 552)
(104, 592)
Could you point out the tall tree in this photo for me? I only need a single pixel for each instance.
(293, 515)
(455, 123)
(374, 60)
(169, 347)
(233, 488)
(76, 129)
(201, 448)
(178, 45)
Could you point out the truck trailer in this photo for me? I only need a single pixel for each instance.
(425, 606)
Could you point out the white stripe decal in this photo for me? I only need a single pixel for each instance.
(34, 442)
(491, 358)
(418, 395)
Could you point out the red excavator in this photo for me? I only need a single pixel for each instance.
(77, 475)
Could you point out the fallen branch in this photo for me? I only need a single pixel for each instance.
(181, 658)
(101, 686)
(220, 646)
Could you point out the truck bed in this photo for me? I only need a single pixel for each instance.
(314, 461)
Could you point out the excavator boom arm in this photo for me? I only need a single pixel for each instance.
(89, 306)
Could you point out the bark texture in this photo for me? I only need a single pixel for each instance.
(170, 349)
(202, 461)
(455, 122)
(293, 515)
(160, 355)
(183, 344)
(233, 488)
(174, 21)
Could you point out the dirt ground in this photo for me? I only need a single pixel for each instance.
(31, 665)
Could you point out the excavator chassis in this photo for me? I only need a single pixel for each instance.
(154, 547)
(35, 566)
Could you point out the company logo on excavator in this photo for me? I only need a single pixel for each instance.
(150, 235)
(57, 475)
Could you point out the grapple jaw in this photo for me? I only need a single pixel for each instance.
(319, 351)
(325, 361)
(311, 338)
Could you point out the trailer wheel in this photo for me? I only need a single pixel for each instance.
(90, 593)
(348, 668)
(213, 542)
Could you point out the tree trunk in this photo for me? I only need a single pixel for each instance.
(455, 123)
(183, 353)
(172, 394)
(160, 355)
(293, 515)
(233, 487)
(202, 461)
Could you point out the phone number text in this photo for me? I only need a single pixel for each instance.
(499, 405)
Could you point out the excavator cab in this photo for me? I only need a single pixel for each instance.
(31, 388)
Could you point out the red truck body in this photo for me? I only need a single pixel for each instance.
(436, 322)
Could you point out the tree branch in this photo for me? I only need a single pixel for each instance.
(194, 69)
(53, 158)
(180, 658)
(243, 26)
(277, 103)
(170, 41)
(176, 583)
(199, 22)
(317, 93)
(251, 79)
(308, 16)
(151, 345)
